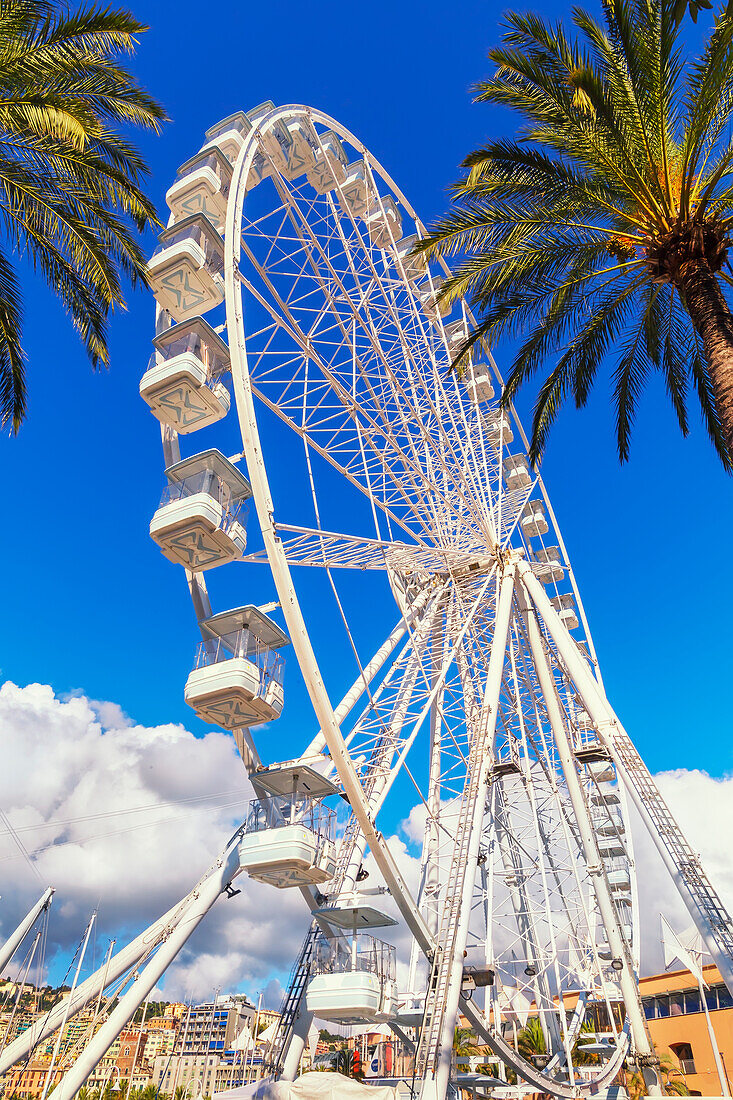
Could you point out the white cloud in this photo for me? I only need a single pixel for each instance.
(126, 818)
(703, 808)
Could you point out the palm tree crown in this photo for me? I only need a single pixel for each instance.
(70, 184)
(602, 232)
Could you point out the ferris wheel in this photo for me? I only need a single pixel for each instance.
(386, 548)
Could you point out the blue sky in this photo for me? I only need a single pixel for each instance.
(90, 604)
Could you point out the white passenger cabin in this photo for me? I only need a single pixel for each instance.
(611, 824)
(384, 222)
(413, 265)
(289, 838)
(619, 881)
(602, 771)
(426, 295)
(516, 472)
(182, 386)
(565, 607)
(534, 521)
(352, 981)
(354, 190)
(456, 333)
(498, 427)
(548, 566)
(295, 152)
(275, 141)
(186, 271)
(477, 379)
(197, 524)
(229, 134)
(610, 847)
(329, 163)
(202, 187)
(238, 676)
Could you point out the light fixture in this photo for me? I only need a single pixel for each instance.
(530, 971)
(617, 964)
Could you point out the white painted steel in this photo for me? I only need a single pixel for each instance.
(346, 351)
(226, 869)
(15, 938)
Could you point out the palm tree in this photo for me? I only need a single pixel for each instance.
(70, 184)
(672, 1077)
(581, 1057)
(531, 1039)
(464, 1041)
(602, 232)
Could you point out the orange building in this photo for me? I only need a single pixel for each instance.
(29, 1080)
(677, 1023)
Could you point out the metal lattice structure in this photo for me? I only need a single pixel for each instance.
(481, 698)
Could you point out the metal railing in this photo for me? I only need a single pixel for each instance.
(209, 482)
(191, 342)
(210, 243)
(242, 643)
(276, 811)
(361, 953)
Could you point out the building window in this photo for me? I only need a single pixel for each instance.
(683, 1054)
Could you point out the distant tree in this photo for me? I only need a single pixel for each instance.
(70, 183)
(531, 1039)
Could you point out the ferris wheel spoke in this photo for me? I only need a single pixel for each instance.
(400, 397)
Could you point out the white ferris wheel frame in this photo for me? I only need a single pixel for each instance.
(556, 658)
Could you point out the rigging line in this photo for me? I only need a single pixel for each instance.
(367, 685)
(19, 844)
(119, 813)
(120, 832)
(32, 1050)
(21, 986)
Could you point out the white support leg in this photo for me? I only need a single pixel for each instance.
(626, 977)
(302, 1026)
(206, 895)
(610, 730)
(435, 1086)
(94, 985)
(10, 946)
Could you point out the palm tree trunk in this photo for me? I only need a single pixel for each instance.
(713, 321)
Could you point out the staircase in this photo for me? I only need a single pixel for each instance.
(691, 871)
(290, 1007)
(300, 974)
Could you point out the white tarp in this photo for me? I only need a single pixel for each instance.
(685, 946)
(311, 1086)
